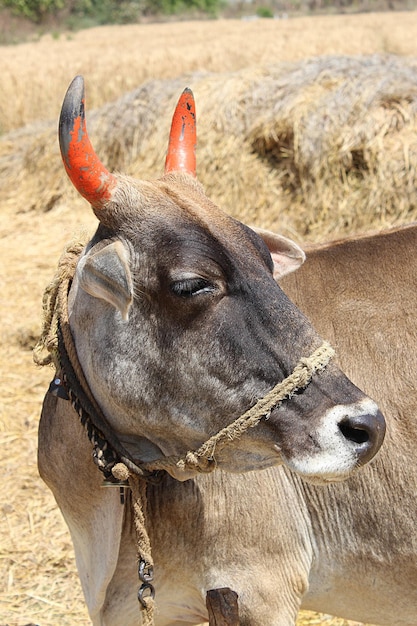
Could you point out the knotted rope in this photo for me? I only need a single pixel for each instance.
(146, 592)
(53, 305)
(109, 454)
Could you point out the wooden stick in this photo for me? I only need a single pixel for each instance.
(222, 607)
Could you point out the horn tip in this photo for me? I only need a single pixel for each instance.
(187, 96)
(76, 88)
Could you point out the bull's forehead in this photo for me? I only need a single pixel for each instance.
(175, 210)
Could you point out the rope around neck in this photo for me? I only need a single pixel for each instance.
(56, 340)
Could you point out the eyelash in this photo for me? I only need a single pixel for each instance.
(191, 287)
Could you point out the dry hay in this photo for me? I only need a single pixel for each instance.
(314, 148)
(38, 583)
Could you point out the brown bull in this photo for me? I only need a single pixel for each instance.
(180, 327)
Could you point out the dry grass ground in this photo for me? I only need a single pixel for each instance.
(38, 580)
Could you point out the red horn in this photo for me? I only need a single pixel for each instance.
(88, 175)
(183, 136)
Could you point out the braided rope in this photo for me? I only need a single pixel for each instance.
(51, 306)
(143, 547)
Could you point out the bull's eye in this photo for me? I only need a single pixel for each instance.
(189, 287)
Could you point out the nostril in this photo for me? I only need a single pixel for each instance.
(366, 433)
(354, 432)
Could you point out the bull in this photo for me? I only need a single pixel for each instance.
(172, 329)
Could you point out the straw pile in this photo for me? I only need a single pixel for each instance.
(331, 143)
(312, 149)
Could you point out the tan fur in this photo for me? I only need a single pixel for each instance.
(361, 293)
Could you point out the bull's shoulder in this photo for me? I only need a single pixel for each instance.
(401, 234)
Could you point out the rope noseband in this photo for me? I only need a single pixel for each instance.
(203, 459)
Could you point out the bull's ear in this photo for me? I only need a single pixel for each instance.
(286, 255)
(106, 274)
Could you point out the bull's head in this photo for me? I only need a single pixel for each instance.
(180, 325)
